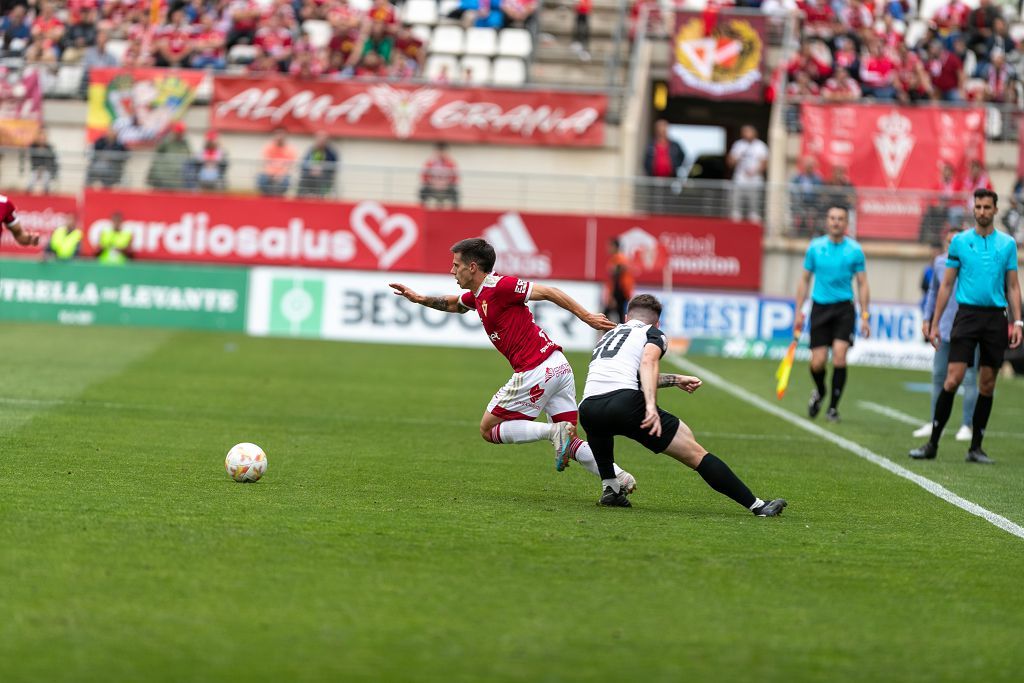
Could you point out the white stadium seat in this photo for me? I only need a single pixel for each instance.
(478, 68)
(69, 80)
(515, 42)
(1017, 32)
(447, 40)
(204, 91)
(508, 71)
(481, 41)
(438, 64)
(361, 5)
(420, 12)
(243, 54)
(422, 33)
(116, 49)
(446, 7)
(319, 32)
(915, 32)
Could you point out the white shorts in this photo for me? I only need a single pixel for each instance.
(550, 387)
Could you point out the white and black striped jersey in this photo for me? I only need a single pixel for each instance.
(615, 363)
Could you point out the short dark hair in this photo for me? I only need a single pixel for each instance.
(475, 250)
(615, 243)
(842, 207)
(982, 192)
(645, 303)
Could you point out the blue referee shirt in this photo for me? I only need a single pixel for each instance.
(982, 263)
(833, 265)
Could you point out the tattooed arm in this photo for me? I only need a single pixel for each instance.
(449, 304)
(685, 382)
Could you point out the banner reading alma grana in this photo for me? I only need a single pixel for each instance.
(384, 110)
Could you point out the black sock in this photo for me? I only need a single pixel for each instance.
(819, 381)
(943, 408)
(719, 477)
(838, 382)
(982, 409)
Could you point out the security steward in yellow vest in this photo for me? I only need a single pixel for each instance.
(115, 243)
(65, 242)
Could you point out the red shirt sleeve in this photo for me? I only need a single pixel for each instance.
(468, 300)
(513, 290)
(8, 214)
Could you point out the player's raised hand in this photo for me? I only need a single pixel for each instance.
(402, 290)
(599, 321)
(652, 421)
(689, 383)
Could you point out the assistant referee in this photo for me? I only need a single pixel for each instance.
(986, 263)
(833, 260)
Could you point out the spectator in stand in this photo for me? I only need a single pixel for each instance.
(889, 34)
(912, 81)
(15, 33)
(210, 45)
(878, 73)
(371, 66)
(211, 166)
(263, 65)
(748, 157)
(801, 89)
(42, 163)
(308, 62)
(950, 21)
(581, 29)
(857, 18)
(520, 14)
(810, 61)
(841, 88)
(275, 41)
(167, 171)
(106, 164)
(244, 18)
(999, 40)
(946, 72)
(319, 167)
(840, 192)
(440, 179)
(976, 179)
(951, 196)
(981, 24)
(174, 42)
(409, 53)
(378, 41)
(96, 57)
(80, 35)
(384, 13)
(1000, 79)
(662, 161)
(845, 55)
(48, 27)
(818, 17)
(278, 159)
(804, 192)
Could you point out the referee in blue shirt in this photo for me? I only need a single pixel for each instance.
(985, 261)
(833, 260)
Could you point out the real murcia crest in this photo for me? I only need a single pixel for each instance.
(403, 108)
(894, 142)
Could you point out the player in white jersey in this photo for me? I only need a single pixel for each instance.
(619, 399)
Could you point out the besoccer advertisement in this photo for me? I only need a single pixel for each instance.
(360, 306)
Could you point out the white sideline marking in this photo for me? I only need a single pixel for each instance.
(897, 415)
(860, 451)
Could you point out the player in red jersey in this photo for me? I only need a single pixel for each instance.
(9, 218)
(543, 380)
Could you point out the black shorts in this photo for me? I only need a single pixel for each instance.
(979, 326)
(619, 413)
(832, 321)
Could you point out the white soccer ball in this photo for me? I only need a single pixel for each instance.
(246, 462)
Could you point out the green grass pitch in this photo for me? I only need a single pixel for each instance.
(388, 542)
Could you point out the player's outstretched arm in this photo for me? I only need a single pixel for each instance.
(449, 304)
(687, 383)
(23, 237)
(556, 296)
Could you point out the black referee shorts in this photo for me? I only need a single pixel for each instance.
(832, 321)
(979, 326)
(619, 413)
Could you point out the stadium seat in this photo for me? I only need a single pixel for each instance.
(446, 7)
(438, 64)
(915, 32)
(422, 33)
(361, 5)
(116, 49)
(319, 32)
(515, 42)
(1017, 32)
(508, 71)
(243, 54)
(481, 41)
(420, 12)
(69, 80)
(448, 40)
(478, 68)
(204, 91)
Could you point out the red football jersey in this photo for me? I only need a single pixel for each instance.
(501, 304)
(8, 214)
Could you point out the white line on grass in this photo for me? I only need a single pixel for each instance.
(860, 451)
(897, 415)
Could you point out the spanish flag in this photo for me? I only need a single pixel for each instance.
(785, 367)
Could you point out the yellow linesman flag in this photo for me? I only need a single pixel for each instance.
(785, 367)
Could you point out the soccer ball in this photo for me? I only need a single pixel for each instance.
(246, 462)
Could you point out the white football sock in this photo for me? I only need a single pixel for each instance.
(585, 456)
(757, 503)
(521, 431)
(611, 483)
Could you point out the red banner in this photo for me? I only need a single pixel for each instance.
(140, 104)
(21, 107)
(381, 110)
(886, 148)
(718, 55)
(42, 214)
(170, 227)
